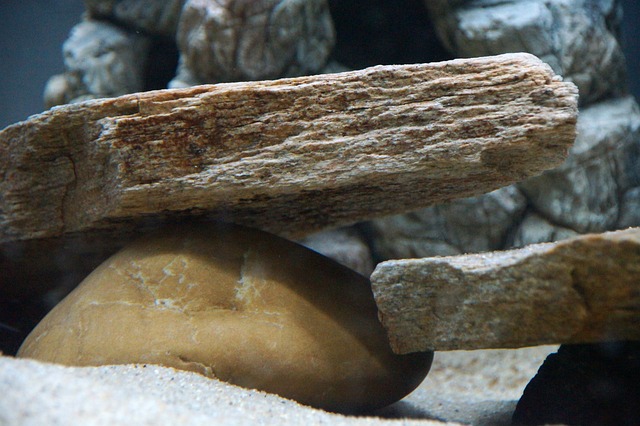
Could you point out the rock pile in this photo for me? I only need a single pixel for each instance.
(307, 153)
(596, 190)
(290, 156)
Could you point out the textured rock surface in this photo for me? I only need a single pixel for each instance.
(239, 305)
(585, 193)
(474, 224)
(101, 60)
(576, 37)
(581, 290)
(535, 229)
(152, 16)
(593, 191)
(585, 385)
(233, 40)
(311, 152)
(344, 245)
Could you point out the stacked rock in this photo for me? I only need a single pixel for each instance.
(597, 189)
(110, 53)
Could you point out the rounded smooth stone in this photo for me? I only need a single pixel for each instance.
(239, 305)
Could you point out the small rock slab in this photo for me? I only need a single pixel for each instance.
(290, 156)
(586, 289)
(239, 305)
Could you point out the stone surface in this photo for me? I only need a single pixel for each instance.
(237, 40)
(584, 194)
(151, 16)
(474, 224)
(593, 191)
(101, 60)
(580, 290)
(576, 37)
(344, 245)
(585, 385)
(290, 156)
(237, 304)
(36, 393)
(535, 229)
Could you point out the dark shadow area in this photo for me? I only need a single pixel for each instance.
(384, 32)
(162, 64)
(18, 316)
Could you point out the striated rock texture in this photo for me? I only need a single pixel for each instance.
(576, 37)
(585, 289)
(291, 155)
(597, 188)
(239, 305)
(237, 40)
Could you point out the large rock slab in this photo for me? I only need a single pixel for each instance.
(594, 190)
(290, 156)
(585, 289)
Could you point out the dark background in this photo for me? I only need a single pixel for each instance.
(32, 33)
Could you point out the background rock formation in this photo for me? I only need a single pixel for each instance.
(595, 190)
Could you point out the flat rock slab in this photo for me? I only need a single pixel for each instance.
(586, 289)
(289, 156)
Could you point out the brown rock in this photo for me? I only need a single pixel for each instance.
(581, 290)
(237, 304)
(290, 156)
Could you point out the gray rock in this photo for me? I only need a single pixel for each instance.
(101, 60)
(152, 16)
(576, 37)
(468, 225)
(232, 40)
(585, 193)
(596, 189)
(345, 246)
(630, 209)
(535, 229)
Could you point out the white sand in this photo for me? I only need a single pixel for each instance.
(476, 387)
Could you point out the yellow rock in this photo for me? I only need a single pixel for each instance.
(239, 305)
